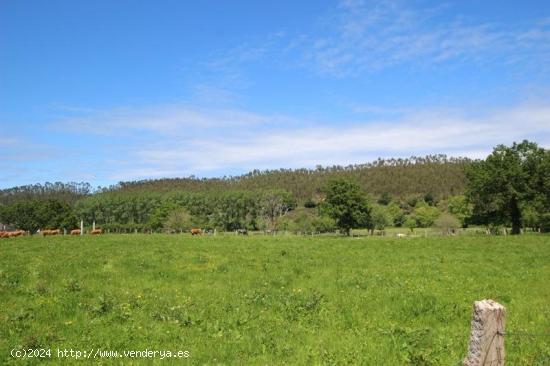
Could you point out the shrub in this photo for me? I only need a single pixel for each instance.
(447, 223)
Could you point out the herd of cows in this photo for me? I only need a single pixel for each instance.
(45, 232)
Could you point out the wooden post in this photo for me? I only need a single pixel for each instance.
(81, 227)
(487, 335)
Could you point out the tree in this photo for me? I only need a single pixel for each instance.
(425, 215)
(56, 214)
(459, 207)
(398, 217)
(380, 217)
(275, 204)
(23, 215)
(447, 223)
(410, 222)
(509, 179)
(385, 199)
(346, 203)
(179, 220)
(324, 224)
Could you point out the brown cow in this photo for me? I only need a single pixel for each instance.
(50, 232)
(11, 234)
(196, 231)
(16, 233)
(96, 232)
(75, 232)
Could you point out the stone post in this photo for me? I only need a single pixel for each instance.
(487, 335)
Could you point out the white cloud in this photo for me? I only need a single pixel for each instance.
(180, 120)
(242, 140)
(369, 36)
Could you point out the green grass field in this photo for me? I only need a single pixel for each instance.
(261, 300)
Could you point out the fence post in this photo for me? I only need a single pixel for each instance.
(487, 335)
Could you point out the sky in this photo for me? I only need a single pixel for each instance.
(108, 91)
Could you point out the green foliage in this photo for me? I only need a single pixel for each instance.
(425, 215)
(459, 207)
(179, 220)
(160, 214)
(229, 203)
(63, 192)
(384, 199)
(508, 180)
(347, 204)
(397, 215)
(130, 210)
(436, 174)
(512, 186)
(306, 221)
(447, 223)
(275, 204)
(544, 222)
(410, 223)
(381, 217)
(23, 215)
(430, 199)
(324, 224)
(55, 214)
(309, 203)
(35, 214)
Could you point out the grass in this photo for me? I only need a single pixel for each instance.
(264, 300)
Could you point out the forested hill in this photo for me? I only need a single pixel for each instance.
(435, 174)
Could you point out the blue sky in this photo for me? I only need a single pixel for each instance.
(103, 91)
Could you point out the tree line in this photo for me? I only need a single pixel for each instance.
(436, 174)
(511, 187)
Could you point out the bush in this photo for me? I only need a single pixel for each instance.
(426, 215)
(410, 222)
(447, 223)
(324, 224)
(380, 217)
(544, 223)
(179, 220)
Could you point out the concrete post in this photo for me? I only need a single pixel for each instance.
(487, 335)
(81, 227)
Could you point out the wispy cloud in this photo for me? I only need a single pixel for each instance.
(371, 36)
(368, 36)
(174, 119)
(242, 140)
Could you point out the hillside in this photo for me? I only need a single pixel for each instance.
(434, 174)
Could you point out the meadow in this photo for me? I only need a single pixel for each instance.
(264, 300)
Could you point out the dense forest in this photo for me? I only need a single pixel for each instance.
(416, 192)
(435, 174)
(256, 200)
